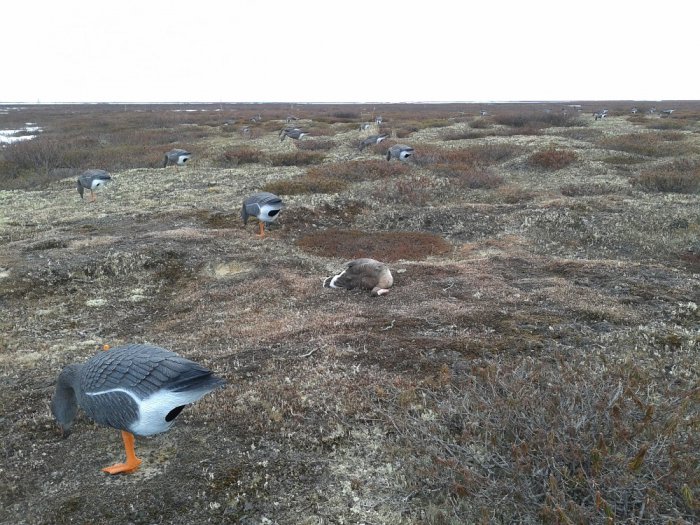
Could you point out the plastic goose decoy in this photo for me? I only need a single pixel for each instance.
(265, 206)
(371, 140)
(399, 151)
(292, 133)
(139, 389)
(367, 274)
(178, 157)
(92, 180)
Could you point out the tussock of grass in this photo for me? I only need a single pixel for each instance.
(383, 246)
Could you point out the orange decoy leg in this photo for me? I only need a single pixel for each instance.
(132, 462)
(262, 229)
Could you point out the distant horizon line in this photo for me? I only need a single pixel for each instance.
(543, 101)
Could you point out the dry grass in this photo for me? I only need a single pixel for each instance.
(535, 361)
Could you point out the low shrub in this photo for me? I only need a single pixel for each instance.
(296, 158)
(677, 177)
(552, 158)
(240, 155)
(648, 144)
(306, 184)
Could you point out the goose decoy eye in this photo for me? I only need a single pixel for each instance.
(272, 213)
(174, 413)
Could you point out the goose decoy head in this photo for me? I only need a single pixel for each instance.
(367, 274)
(138, 389)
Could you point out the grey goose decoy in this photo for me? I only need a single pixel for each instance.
(367, 274)
(265, 206)
(92, 180)
(292, 133)
(371, 140)
(399, 151)
(179, 157)
(139, 389)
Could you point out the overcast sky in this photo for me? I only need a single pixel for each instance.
(348, 51)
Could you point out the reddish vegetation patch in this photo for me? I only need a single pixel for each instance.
(385, 246)
(552, 158)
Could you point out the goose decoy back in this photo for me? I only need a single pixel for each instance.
(367, 274)
(399, 151)
(265, 206)
(178, 157)
(139, 389)
(92, 180)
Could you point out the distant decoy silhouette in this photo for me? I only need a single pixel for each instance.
(372, 139)
(92, 180)
(265, 206)
(293, 133)
(666, 112)
(366, 274)
(399, 151)
(139, 389)
(179, 157)
(365, 126)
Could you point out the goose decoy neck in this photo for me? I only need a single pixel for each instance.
(64, 404)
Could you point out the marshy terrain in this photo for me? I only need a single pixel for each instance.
(535, 362)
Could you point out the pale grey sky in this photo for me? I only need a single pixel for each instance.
(354, 51)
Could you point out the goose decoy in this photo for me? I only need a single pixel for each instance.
(92, 180)
(265, 206)
(371, 140)
(176, 156)
(364, 273)
(293, 133)
(399, 151)
(139, 389)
